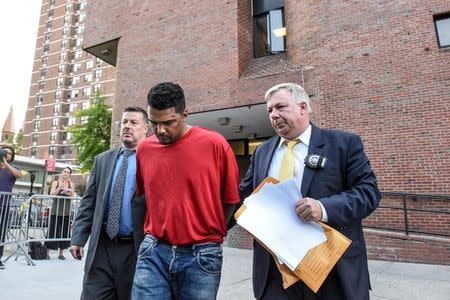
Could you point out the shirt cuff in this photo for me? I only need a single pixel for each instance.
(324, 213)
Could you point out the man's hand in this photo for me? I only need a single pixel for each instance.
(77, 252)
(309, 209)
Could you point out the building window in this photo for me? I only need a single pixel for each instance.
(72, 107)
(89, 64)
(85, 104)
(71, 121)
(88, 77)
(75, 67)
(62, 56)
(74, 80)
(66, 150)
(55, 122)
(52, 150)
(43, 72)
(64, 43)
(46, 47)
(57, 108)
(78, 42)
(37, 112)
(78, 54)
(52, 2)
(33, 151)
(65, 31)
(73, 93)
(84, 120)
(47, 36)
(49, 24)
(269, 31)
(51, 13)
(60, 68)
(67, 136)
(81, 5)
(97, 87)
(66, 19)
(68, 6)
(442, 24)
(35, 138)
(37, 124)
(87, 91)
(79, 29)
(98, 73)
(44, 60)
(53, 135)
(81, 17)
(39, 98)
(41, 85)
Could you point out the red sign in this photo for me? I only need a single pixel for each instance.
(50, 165)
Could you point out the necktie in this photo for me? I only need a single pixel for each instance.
(112, 227)
(287, 164)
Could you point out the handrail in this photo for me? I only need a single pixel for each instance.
(421, 224)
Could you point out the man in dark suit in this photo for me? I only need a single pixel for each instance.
(112, 215)
(341, 193)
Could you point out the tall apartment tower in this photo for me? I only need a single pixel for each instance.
(63, 80)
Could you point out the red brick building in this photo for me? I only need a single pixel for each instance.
(63, 80)
(380, 69)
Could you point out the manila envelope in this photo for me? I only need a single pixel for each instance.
(318, 262)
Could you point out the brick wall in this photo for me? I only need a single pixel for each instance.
(377, 68)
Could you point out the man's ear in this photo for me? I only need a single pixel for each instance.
(184, 115)
(303, 107)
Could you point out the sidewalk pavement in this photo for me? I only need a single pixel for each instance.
(57, 279)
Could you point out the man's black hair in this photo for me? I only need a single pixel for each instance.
(139, 110)
(166, 95)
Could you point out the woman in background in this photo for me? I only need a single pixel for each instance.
(60, 213)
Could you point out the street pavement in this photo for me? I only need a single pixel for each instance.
(55, 279)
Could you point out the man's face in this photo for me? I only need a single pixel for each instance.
(134, 128)
(288, 118)
(168, 125)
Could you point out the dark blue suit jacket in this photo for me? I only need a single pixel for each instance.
(348, 190)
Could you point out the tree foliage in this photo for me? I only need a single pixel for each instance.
(93, 136)
(16, 141)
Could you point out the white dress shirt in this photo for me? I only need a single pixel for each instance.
(300, 153)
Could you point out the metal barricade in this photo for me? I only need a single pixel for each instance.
(42, 218)
(13, 215)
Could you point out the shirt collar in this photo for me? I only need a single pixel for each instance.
(305, 137)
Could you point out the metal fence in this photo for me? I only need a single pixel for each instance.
(41, 218)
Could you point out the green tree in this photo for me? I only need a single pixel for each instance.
(92, 137)
(16, 141)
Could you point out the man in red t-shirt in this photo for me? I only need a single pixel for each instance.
(190, 178)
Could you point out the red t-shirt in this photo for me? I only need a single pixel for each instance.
(185, 185)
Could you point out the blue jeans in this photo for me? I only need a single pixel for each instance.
(176, 272)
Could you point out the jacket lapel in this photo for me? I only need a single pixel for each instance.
(315, 147)
(268, 158)
(110, 162)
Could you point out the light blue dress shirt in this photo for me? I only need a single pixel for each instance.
(125, 225)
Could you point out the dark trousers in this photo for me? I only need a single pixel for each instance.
(112, 271)
(59, 229)
(4, 216)
(330, 289)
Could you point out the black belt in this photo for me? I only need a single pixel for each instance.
(164, 242)
(120, 239)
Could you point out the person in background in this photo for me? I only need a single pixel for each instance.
(341, 192)
(59, 227)
(8, 175)
(112, 215)
(190, 179)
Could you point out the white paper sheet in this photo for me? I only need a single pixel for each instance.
(270, 216)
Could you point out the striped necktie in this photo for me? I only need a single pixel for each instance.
(288, 162)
